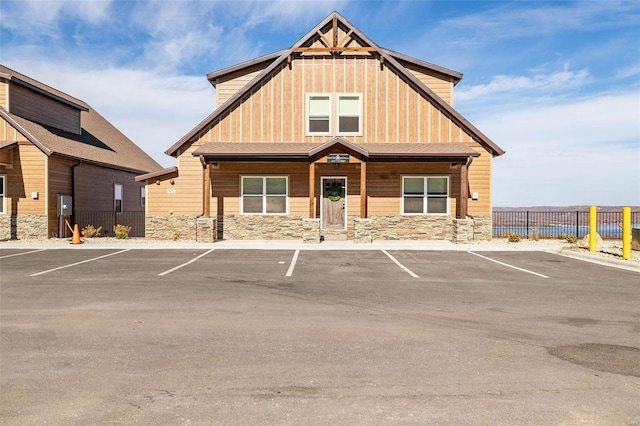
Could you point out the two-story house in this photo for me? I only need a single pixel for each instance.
(62, 161)
(332, 138)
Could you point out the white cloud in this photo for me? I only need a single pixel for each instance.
(51, 10)
(581, 152)
(515, 85)
(153, 109)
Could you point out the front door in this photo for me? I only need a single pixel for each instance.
(334, 203)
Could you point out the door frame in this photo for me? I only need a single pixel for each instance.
(322, 179)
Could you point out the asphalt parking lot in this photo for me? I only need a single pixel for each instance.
(202, 336)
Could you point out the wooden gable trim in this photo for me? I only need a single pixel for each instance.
(385, 58)
(24, 132)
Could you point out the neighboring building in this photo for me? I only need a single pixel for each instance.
(60, 159)
(332, 138)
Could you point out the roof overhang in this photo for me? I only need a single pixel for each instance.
(455, 152)
(157, 174)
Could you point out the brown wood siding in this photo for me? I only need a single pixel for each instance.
(384, 185)
(234, 82)
(27, 175)
(4, 94)
(38, 108)
(392, 112)
(441, 85)
(9, 133)
(480, 182)
(184, 197)
(59, 184)
(94, 189)
(225, 185)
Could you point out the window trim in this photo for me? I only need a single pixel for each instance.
(264, 195)
(116, 199)
(338, 115)
(3, 194)
(425, 196)
(308, 114)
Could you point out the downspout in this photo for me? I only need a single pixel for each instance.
(73, 192)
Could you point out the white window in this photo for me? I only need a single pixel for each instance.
(143, 196)
(322, 112)
(319, 114)
(425, 195)
(3, 194)
(117, 198)
(264, 194)
(349, 107)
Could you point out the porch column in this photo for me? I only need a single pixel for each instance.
(461, 205)
(363, 190)
(312, 191)
(207, 191)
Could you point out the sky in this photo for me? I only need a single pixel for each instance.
(555, 84)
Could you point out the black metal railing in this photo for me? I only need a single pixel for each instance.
(553, 224)
(107, 220)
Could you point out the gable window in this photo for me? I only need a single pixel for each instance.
(117, 198)
(264, 194)
(425, 195)
(319, 114)
(3, 194)
(349, 114)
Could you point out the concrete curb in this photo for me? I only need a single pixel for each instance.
(588, 257)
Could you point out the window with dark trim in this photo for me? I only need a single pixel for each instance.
(3, 194)
(117, 197)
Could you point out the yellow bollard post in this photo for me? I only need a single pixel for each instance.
(626, 233)
(593, 223)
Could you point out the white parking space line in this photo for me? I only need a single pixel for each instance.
(162, 274)
(20, 254)
(404, 268)
(77, 263)
(293, 264)
(507, 265)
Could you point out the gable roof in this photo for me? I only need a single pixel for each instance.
(386, 56)
(99, 142)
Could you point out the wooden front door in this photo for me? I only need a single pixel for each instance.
(334, 203)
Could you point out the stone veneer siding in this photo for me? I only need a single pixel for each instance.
(411, 228)
(311, 231)
(170, 227)
(482, 228)
(23, 226)
(262, 227)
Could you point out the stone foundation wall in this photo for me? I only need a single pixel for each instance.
(206, 230)
(362, 231)
(411, 228)
(311, 231)
(170, 227)
(462, 231)
(23, 227)
(262, 227)
(482, 228)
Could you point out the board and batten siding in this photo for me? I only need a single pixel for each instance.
(59, 184)
(392, 111)
(37, 107)
(4, 94)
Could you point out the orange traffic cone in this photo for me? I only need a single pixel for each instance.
(76, 235)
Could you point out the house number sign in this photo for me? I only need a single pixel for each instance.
(338, 158)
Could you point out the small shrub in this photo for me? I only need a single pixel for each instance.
(571, 239)
(121, 231)
(176, 236)
(89, 231)
(514, 237)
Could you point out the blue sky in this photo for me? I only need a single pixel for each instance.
(556, 84)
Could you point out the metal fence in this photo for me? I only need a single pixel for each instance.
(548, 224)
(107, 220)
